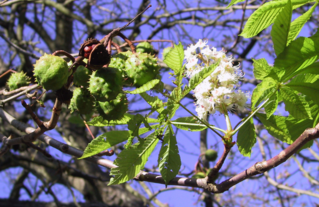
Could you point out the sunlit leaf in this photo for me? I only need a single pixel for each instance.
(132, 160)
(169, 161)
(246, 138)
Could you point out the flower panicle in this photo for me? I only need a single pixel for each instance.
(218, 91)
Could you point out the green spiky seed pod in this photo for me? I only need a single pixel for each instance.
(114, 109)
(105, 84)
(18, 80)
(199, 175)
(142, 68)
(51, 72)
(82, 76)
(211, 155)
(144, 47)
(166, 51)
(118, 61)
(82, 101)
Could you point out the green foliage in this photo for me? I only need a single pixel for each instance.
(130, 161)
(298, 55)
(169, 161)
(175, 57)
(246, 138)
(281, 27)
(188, 124)
(146, 87)
(263, 91)
(104, 141)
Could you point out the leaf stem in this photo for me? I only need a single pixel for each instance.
(251, 115)
(202, 121)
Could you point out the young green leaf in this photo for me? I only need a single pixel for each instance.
(263, 91)
(104, 141)
(169, 161)
(146, 87)
(261, 68)
(246, 138)
(174, 58)
(298, 23)
(188, 124)
(100, 122)
(276, 126)
(307, 84)
(301, 53)
(234, 2)
(132, 160)
(199, 77)
(262, 18)
(295, 104)
(272, 104)
(281, 27)
(156, 103)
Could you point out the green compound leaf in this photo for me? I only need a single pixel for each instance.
(188, 124)
(281, 27)
(174, 58)
(146, 87)
(306, 84)
(156, 103)
(104, 141)
(262, 18)
(199, 77)
(100, 122)
(261, 68)
(276, 126)
(272, 104)
(295, 104)
(132, 160)
(301, 53)
(234, 2)
(169, 161)
(263, 91)
(246, 138)
(298, 23)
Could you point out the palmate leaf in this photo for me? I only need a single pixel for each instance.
(234, 2)
(272, 105)
(156, 103)
(276, 126)
(174, 59)
(169, 161)
(262, 18)
(295, 103)
(100, 122)
(261, 68)
(306, 84)
(263, 91)
(298, 23)
(246, 138)
(301, 53)
(105, 141)
(281, 27)
(199, 77)
(265, 15)
(188, 124)
(146, 87)
(130, 161)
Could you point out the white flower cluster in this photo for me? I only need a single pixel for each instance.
(218, 91)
